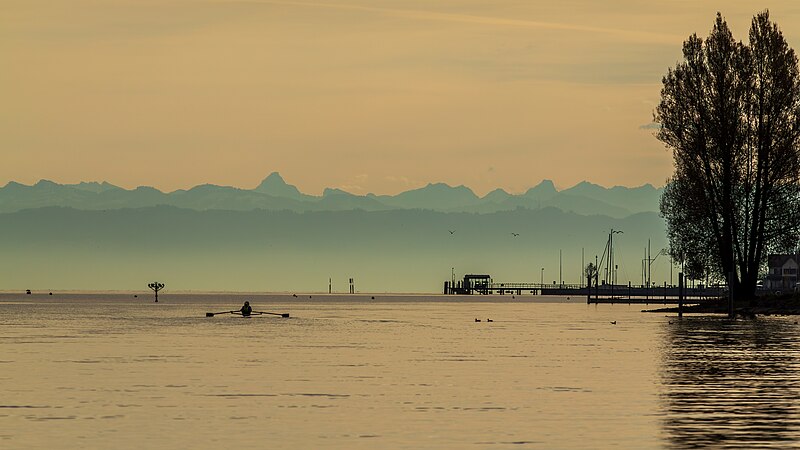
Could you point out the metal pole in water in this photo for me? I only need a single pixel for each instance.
(610, 265)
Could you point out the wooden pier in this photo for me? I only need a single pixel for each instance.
(603, 293)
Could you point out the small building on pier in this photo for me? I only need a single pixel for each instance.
(472, 284)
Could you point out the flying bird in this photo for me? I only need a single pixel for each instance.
(515, 234)
(452, 231)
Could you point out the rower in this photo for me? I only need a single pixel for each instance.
(246, 309)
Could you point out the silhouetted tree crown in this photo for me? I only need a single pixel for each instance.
(730, 113)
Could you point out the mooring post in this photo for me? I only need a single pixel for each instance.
(156, 286)
(596, 287)
(680, 294)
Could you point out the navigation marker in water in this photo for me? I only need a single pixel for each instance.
(156, 286)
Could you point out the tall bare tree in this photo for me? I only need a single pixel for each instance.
(730, 113)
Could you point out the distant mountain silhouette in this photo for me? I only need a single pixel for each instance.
(497, 196)
(434, 196)
(587, 206)
(541, 192)
(93, 186)
(209, 196)
(275, 186)
(339, 200)
(15, 196)
(642, 198)
(274, 194)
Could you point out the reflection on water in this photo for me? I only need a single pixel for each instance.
(731, 383)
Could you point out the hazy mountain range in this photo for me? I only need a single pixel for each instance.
(274, 194)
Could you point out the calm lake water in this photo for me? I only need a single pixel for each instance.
(113, 371)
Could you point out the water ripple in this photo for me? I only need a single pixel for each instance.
(730, 383)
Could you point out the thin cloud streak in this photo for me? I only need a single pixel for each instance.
(638, 36)
(406, 91)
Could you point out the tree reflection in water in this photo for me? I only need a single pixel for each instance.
(731, 384)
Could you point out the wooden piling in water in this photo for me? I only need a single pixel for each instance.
(680, 294)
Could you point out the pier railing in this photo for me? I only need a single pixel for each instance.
(603, 293)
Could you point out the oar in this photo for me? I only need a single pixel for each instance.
(274, 314)
(222, 312)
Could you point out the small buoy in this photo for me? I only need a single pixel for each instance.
(50, 293)
(135, 296)
(373, 297)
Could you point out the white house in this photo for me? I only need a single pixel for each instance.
(782, 272)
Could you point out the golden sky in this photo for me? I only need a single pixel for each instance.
(370, 96)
